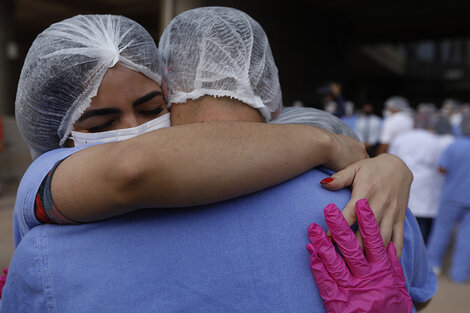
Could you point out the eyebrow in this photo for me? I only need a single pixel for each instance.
(146, 98)
(105, 111)
(98, 112)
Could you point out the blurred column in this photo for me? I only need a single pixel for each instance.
(8, 51)
(170, 8)
(167, 12)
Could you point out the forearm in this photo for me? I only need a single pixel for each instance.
(217, 161)
(185, 165)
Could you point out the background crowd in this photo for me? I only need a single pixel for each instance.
(433, 140)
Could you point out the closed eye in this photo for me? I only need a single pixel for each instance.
(155, 111)
(101, 127)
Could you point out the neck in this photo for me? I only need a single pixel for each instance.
(208, 108)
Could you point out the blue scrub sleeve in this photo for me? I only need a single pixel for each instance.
(24, 218)
(444, 161)
(420, 279)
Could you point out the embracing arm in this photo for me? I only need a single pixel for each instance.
(192, 165)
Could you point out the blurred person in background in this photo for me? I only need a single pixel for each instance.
(454, 209)
(421, 149)
(331, 98)
(425, 116)
(443, 128)
(456, 119)
(368, 127)
(465, 109)
(350, 116)
(450, 110)
(298, 104)
(397, 120)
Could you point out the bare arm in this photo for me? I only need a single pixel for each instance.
(191, 165)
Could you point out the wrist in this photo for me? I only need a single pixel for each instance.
(330, 149)
(399, 163)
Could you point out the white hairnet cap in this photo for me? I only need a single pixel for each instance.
(314, 117)
(220, 51)
(397, 103)
(64, 68)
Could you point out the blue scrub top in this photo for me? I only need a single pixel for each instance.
(24, 218)
(350, 120)
(243, 255)
(456, 160)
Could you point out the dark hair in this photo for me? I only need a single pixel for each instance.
(443, 126)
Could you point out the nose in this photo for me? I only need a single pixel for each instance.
(128, 120)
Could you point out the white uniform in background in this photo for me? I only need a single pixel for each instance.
(394, 125)
(367, 128)
(421, 151)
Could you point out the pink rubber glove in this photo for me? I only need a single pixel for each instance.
(3, 280)
(373, 282)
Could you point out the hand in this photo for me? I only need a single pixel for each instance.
(371, 283)
(385, 181)
(344, 152)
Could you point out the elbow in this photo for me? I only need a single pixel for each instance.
(128, 174)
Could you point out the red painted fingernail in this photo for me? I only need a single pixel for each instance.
(326, 180)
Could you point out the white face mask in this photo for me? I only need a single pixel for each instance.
(81, 139)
